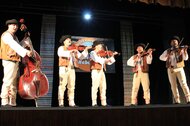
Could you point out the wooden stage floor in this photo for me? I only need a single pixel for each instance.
(152, 115)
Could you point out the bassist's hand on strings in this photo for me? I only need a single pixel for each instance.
(29, 53)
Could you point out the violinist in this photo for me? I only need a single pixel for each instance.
(97, 65)
(67, 64)
(11, 51)
(140, 63)
(175, 57)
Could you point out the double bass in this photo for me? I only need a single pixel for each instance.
(33, 83)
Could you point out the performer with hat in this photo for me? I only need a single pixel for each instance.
(97, 65)
(140, 64)
(67, 64)
(175, 57)
(10, 52)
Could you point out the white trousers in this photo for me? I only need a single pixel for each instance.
(179, 74)
(140, 78)
(66, 79)
(98, 82)
(10, 81)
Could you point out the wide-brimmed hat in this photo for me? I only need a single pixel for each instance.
(63, 38)
(96, 42)
(140, 44)
(174, 38)
(11, 21)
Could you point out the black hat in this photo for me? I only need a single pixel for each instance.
(175, 38)
(63, 38)
(12, 21)
(96, 42)
(140, 44)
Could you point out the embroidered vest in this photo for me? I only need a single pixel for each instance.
(6, 52)
(64, 61)
(144, 66)
(179, 59)
(95, 65)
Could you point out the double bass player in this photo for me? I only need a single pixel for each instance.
(10, 53)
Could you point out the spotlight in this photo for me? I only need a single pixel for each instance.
(87, 16)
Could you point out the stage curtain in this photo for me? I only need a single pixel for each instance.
(163, 2)
(171, 3)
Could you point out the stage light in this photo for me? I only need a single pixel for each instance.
(87, 16)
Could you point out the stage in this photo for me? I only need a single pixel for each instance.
(151, 115)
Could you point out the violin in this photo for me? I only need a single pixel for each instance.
(103, 53)
(179, 48)
(184, 47)
(79, 47)
(145, 53)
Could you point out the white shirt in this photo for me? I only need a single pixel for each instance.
(172, 58)
(14, 44)
(101, 60)
(131, 62)
(65, 53)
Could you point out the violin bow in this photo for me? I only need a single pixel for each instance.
(146, 46)
(181, 41)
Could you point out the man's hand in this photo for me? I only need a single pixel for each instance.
(29, 53)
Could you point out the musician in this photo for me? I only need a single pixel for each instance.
(11, 51)
(140, 64)
(97, 65)
(67, 64)
(174, 58)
